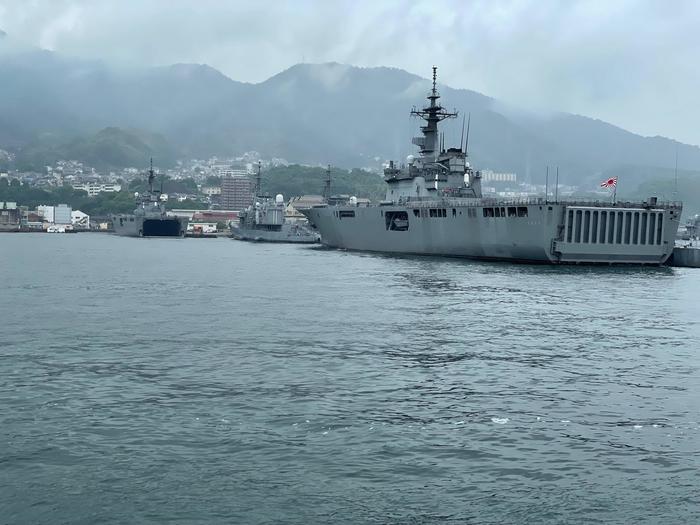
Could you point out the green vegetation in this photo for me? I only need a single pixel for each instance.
(296, 180)
(100, 205)
(109, 148)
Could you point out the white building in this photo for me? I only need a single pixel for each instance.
(211, 190)
(46, 212)
(231, 172)
(60, 214)
(93, 188)
(80, 220)
(491, 176)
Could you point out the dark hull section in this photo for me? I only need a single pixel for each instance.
(134, 226)
(161, 228)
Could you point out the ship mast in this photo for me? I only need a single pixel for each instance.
(258, 185)
(151, 177)
(432, 114)
(327, 187)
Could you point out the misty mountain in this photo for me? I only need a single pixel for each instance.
(309, 113)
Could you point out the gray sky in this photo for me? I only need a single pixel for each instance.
(633, 63)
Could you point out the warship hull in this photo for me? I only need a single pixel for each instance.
(288, 233)
(134, 226)
(539, 232)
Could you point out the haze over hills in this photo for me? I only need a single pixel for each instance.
(311, 113)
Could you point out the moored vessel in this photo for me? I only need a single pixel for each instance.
(434, 206)
(150, 218)
(264, 221)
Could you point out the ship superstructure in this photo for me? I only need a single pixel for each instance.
(434, 205)
(150, 218)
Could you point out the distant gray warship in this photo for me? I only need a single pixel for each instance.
(150, 218)
(434, 206)
(264, 221)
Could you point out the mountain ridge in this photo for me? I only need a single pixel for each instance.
(311, 113)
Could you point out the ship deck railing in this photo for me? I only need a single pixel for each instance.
(524, 201)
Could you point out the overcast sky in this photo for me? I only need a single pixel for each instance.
(633, 63)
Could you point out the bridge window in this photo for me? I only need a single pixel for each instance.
(512, 211)
(346, 214)
(498, 212)
(416, 213)
(522, 211)
(488, 212)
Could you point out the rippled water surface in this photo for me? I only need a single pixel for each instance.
(214, 381)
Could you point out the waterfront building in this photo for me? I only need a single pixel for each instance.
(62, 214)
(46, 212)
(10, 216)
(80, 220)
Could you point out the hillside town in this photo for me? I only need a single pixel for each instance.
(209, 192)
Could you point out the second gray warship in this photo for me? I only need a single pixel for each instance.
(149, 218)
(264, 221)
(434, 205)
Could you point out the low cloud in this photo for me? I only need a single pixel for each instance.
(632, 63)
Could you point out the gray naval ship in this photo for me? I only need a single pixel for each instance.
(434, 205)
(150, 218)
(265, 221)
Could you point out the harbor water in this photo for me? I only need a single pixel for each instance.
(217, 381)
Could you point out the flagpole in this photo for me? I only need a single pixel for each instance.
(615, 191)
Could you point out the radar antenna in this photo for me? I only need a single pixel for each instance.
(432, 114)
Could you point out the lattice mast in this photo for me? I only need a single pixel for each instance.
(432, 114)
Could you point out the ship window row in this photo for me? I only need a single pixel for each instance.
(509, 211)
(614, 227)
(432, 212)
(345, 214)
